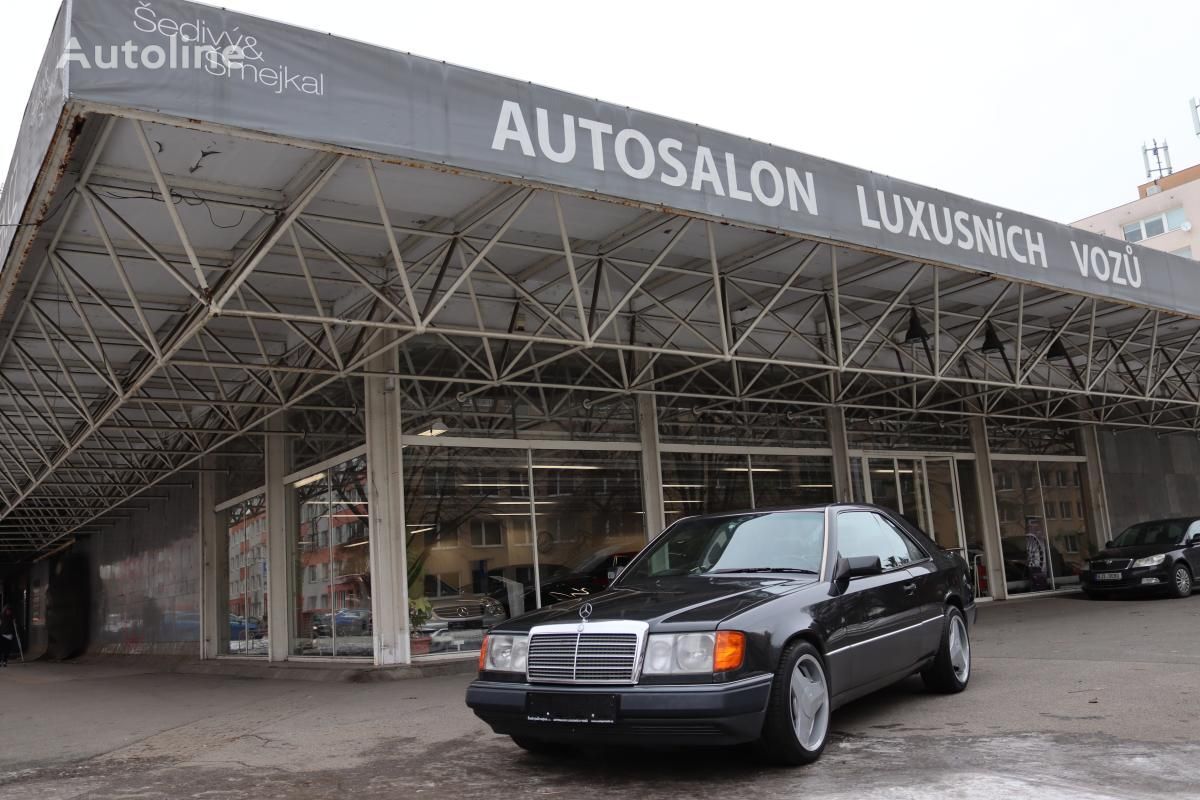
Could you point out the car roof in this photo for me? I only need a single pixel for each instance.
(782, 509)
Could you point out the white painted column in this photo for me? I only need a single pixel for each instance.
(385, 494)
(1095, 495)
(989, 514)
(652, 481)
(214, 562)
(280, 563)
(835, 424)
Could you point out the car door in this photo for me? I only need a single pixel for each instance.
(931, 588)
(871, 639)
(1192, 551)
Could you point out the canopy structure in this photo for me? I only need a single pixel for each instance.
(214, 224)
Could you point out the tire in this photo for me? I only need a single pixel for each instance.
(1181, 581)
(797, 724)
(540, 747)
(951, 668)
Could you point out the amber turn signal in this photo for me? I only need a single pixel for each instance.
(730, 650)
(483, 653)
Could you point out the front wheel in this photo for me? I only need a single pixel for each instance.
(951, 668)
(797, 723)
(1181, 581)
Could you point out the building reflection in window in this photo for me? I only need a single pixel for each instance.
(246, 612)
(493, 533)
(1044, 540)
(332, 563)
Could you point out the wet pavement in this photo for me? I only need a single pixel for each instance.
(1069, 699)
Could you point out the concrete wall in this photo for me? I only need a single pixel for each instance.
(1147, 477)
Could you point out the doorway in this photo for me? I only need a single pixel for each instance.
(935, 492)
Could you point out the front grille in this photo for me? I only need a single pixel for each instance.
(1110, 564)
(583, 657)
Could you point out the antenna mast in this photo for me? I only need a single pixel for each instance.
(1162, 158)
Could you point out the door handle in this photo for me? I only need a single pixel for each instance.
(909, 588)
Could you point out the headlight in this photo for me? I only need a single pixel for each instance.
(504, 653)
(1150, 561)
(694, 653)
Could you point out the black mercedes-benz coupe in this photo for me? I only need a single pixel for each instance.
(731, 628)
(1161, 556)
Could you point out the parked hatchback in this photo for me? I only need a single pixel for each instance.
(1162, 555)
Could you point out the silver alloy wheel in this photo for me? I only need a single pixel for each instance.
(808, 699)
(960, 649)
(1183, 580)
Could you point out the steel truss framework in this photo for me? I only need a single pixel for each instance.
(190, 283)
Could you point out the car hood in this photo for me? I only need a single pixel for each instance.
(1136, 551)
(693, 600)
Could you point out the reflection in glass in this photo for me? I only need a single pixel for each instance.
(470, 560)
(1066, 531)
(704, 483)
(968, 495)
(245, 623)
(1023, 541)
(884, 492)
(792, 480)
(473, 523)
(910, 475)
(943, 504)
(333, 572)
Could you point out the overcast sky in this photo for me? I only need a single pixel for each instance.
(1039, 106)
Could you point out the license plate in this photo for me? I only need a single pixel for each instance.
(1108, 576)
(579, 709)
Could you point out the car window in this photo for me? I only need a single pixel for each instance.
(862, 533)
(914, 553)
(787, 541)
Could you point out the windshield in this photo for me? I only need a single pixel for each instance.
(1162, 531)
(787, 541)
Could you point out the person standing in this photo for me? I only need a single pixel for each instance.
(8, 634)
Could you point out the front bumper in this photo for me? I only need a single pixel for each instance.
(717, 714)
(1132, 579)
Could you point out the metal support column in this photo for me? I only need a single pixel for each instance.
(214, 564)
(835, 424)
(1095, 495)
(989, 515)
(652, 481)
(385, 493)
(279, 556)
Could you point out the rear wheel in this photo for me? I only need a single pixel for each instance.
(1181, 581)
(797, 724)
(951, 668)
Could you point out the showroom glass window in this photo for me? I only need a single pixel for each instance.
(332, 563)
(493, 532)
(244, 620)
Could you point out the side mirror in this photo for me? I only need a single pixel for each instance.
(1195, 540)
(1109, 543)
(864, 565)
(847, 568)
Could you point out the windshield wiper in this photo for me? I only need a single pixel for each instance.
(762, 569)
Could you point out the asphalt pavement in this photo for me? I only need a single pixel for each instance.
(1068, 699)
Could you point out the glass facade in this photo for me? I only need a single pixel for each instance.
(245, 621)
(331, 547)
(494, 530)
(493, 533)
(1043, 534)
(706, 483)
